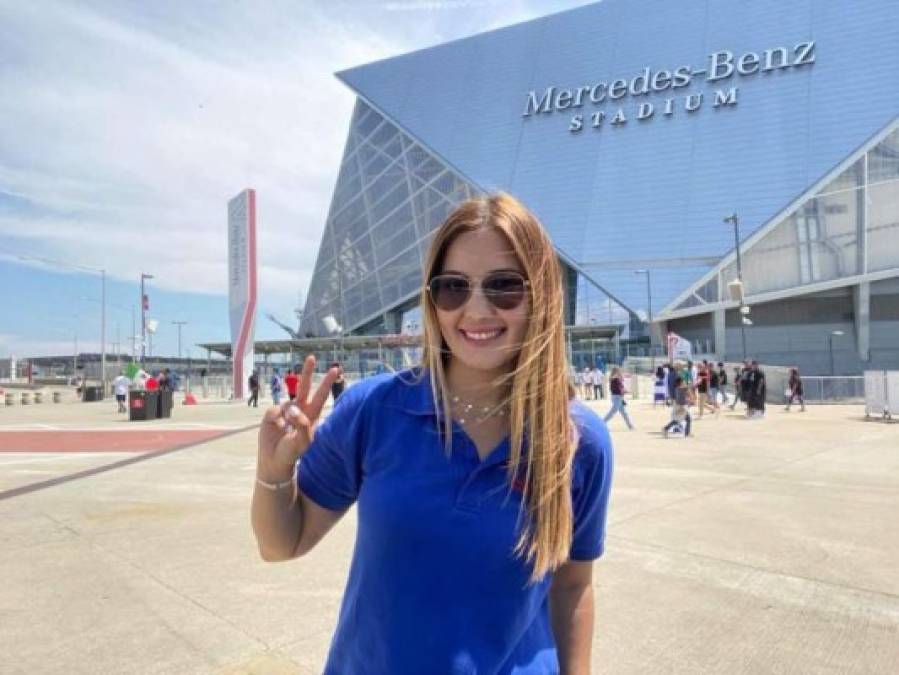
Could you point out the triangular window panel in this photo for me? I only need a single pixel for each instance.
(391, 194)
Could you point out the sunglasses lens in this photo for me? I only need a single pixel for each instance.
(505, 291)
(449, 292)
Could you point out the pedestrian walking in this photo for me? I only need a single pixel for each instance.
(339, 383)
(275, 386)
(794, 386)
(616, 393)
(253, 386)
(741, 384)
(755, 391)
(578, 383)
(481, 488)
(671, 379)
(680, 411)
(120, 386)
(596, 380)
(687, 373)
(722, 382)
(291, 380)
(714, 386)
(587, 383)
(659, 388)
(702, 387)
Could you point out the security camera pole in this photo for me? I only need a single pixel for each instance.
(735, 220)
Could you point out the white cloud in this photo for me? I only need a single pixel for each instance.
(126, 127)
(130, 140)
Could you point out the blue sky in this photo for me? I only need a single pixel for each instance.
(126, 126)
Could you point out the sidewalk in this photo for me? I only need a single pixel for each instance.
(763, 546)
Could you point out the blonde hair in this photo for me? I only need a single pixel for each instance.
(539, 392)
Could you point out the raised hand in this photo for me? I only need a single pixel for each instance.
(287, 430)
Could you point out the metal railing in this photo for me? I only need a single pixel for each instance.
(833, 389)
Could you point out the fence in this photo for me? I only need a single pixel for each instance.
(881, 393)
(842, 389)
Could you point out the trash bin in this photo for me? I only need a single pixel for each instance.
(93, 393)
(166, 401)
(142, 405)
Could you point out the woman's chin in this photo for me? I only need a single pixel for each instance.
(487, 362)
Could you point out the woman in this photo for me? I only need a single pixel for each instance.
(617, 392)
(482, 490)
(795, 387)
(702, 387)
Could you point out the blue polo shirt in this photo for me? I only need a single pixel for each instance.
(434, 585)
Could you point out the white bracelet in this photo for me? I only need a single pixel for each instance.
(274, 487)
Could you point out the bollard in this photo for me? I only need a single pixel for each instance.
(38, 397)
(57, 396)
(26, 398)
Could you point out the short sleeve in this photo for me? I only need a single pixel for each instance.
(591, 485)
(330, 472)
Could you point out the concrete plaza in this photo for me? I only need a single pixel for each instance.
(763, 546)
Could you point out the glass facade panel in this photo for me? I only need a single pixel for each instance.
(852, 177)
(377, 231)
(709, 290)
(883, 159)
(692, 301)
(401, 276)
(392, 240)
(375, 166)
(390, 202)
(883, 226)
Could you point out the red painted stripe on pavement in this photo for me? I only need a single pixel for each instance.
(53, 482)
(143, 440)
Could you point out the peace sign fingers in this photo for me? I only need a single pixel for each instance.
(312, 407)
(317, 402)
(305, 379)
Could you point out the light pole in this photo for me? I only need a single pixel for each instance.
(830, 343)
(735, 220)
(144, 305)
(179, 324)
(60, 263)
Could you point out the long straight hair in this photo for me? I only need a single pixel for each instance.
(537, 381)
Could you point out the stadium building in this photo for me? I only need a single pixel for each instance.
(649, 137)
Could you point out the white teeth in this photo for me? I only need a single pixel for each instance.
(486, 335)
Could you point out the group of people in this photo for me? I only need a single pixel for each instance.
(164, 380)
(682, 385)
(290, 382)
(589, 382)
(750, 387)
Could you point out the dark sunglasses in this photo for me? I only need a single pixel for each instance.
(504, 290)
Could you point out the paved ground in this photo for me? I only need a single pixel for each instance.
(766, 546)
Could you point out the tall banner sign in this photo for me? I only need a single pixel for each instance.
(242, 286)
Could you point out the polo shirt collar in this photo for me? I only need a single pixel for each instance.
(416, 397)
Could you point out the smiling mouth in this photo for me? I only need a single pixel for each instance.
(483, 335)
